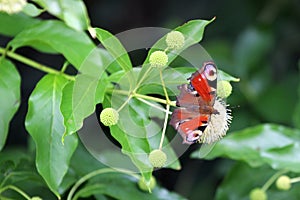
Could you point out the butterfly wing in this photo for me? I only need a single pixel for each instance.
(187, 97)
(190, 119)
(195, 103)
(204, 81)
(189, 124)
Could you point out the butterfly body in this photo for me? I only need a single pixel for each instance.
(195, 104)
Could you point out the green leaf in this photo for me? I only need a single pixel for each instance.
(141, 123)
(173, 77)
(134, 144)
(112, 64)
(20, 22)
(115, 48)
(78, 102)
(44, 122)
(139, 134)
(88, 89)
(226, 77)
(253, 42)
(83, 162)
(152, 84)
(55, 36)
(90, 190)
(74, 13)
(100, 197)
(267, 101)
(274, 145)
(296, 117)
(17, 165)
(102, 84)
(120, 186)
(115, 77)
(11, 159)
(10, 83)
(17, 168)
(193, 33)
(136, 148)
(31, 10)
(241, 179)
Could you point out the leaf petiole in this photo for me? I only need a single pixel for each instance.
(165, 127)
(159, 100)
(295, 180)
(272, 180)
(11, 187)
(164, 87)
(95, 173)
(34, 64)
(153, 105)
(124, 104)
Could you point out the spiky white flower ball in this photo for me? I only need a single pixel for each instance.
(218, 124)
(12, 6)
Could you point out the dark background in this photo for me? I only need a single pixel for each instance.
(257, 41)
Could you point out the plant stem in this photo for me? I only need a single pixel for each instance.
(15, 189)
(64, 67)
(20, 173)
(163, 101)
(34, 64)
(165, 127)
(295, 180)
(95, 173)
(164, 86)
(171, 103)
(272, 179)
(153, 105)
(150, 98)
(124, 104)
(143, 78)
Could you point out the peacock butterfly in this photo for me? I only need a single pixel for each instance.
(197, 104)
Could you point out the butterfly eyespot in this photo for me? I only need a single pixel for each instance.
(194, 136)
(210, 72)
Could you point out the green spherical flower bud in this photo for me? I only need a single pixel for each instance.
(158, 59)
(175, 40)
(109, 116)
(147, 187)
(224, 89)
(157, 158)
(258, 194)
(36, 198)
(12, 6)
(283, 183)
